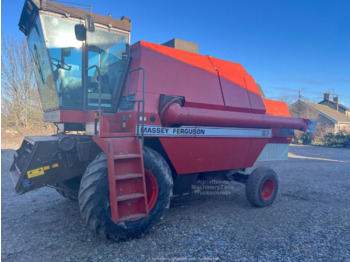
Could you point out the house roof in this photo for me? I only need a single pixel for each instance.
(340, 105)
(327, 111)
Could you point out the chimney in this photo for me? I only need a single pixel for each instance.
(326, 96)
(335, 100)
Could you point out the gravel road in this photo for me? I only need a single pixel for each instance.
(309, 221)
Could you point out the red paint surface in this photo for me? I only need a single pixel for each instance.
(193, 155)
(73, 116)
(170, 76)
(255, 99)
(125, 158)
(205, 82)
(177, 115)
(199, 61)
(276, 108)
(235, 97)
(267, 189)
(151, 188)
(231, 71)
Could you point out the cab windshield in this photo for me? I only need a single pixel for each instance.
(108, 52)
(66, 69)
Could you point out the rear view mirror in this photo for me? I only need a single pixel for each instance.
(66, 51)
(80, 32)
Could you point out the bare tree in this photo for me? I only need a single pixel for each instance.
(286, 98)
(20, 102)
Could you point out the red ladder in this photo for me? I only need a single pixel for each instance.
(126, 176)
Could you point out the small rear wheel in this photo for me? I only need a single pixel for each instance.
(262, 187)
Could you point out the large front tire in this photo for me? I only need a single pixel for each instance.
(94, 197)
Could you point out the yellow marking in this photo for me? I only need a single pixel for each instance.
(291, 155)
(48, 167)
(35, 172)
(39, 171)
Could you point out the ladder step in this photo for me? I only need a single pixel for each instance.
(128, 176)
(132, 217)
(130, 196)
(125, 156)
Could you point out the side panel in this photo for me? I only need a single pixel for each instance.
(235, 96)
(254, 95)
(192, 155)
(170, 76)
(69, 116)
(276, 108)
(239, 89)
(204, 81)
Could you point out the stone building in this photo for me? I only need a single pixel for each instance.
(328, 119)
(334, 104)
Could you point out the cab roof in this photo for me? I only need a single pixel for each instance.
(31, 9)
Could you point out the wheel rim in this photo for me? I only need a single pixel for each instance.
(151, 189)
(267, 189)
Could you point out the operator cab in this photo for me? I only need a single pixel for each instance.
(73, 60)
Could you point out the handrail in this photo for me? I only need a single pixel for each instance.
(97, 132)
(138, 102)
(99, 85)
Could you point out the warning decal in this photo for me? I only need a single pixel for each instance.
(35, 172)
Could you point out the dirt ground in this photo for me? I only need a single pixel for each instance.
(309, 221)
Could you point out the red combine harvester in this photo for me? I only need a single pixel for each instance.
(137, 124)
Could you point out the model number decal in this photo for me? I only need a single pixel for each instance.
(195, 131)
(266, 133)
